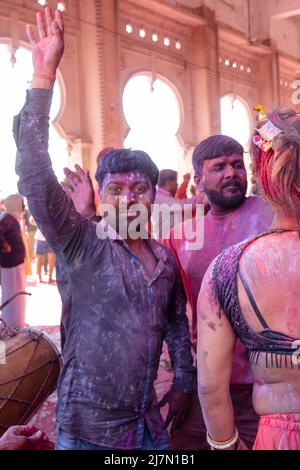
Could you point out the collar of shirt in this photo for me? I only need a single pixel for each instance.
(159, 251)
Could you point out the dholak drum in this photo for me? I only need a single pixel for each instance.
(29, 369)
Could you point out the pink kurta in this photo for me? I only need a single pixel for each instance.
(252, 217)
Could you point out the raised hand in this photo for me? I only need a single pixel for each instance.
(79, 187)
(48, 50)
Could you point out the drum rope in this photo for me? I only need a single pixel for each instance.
(25, 416)
(19, 377)
(6, 331)
(32, 408)
(24, 402)
(18, 349)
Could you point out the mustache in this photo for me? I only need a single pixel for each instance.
(236, 183)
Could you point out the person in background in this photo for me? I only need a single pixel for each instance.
(172, 211)
(31, 228)
(196, 192)
(12, 261)
(43, 250)
(167, 187)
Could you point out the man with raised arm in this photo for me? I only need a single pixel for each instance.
(126, 293)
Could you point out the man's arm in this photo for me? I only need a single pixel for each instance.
(182, 190)
(215, 348)
(179, 342)
(179, 346)
(51, 208)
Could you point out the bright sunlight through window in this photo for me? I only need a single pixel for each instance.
(152, 111)
(14, 81)
(235, 120)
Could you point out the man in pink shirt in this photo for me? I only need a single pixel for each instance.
(220, 171)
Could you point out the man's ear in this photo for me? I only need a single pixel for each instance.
(199, 182)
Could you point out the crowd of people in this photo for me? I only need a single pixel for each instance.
(236, 373)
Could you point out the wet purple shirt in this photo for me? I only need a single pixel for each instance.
(118, 317)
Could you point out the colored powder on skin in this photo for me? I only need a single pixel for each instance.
(212, 326)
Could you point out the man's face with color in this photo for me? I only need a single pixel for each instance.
(130, 189)
(224, 180)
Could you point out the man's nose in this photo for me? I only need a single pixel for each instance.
(230, 172)
(130, 196)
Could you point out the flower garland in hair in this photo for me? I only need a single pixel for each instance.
(264, 141)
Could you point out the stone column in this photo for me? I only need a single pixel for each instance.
(109, 59)
(268, 83)
(205, 88)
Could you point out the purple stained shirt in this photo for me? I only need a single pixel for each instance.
(118, 317)
(252, 217)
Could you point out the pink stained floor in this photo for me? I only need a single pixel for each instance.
(43, 313)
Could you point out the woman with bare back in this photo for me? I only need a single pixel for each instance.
(251, 291)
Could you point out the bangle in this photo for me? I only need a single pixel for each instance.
(51, 78)
(222, 445)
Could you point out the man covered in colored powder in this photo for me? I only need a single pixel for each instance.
(126, 293)
(220, 172)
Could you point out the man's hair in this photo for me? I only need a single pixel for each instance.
(126, 161)
(103, 152)
(166, 175)
(214, 147)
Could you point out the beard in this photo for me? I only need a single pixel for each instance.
(227, 201)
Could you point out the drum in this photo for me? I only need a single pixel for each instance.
(29, 369)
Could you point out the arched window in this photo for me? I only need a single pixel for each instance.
(152, 111)
(236, 123)
(15, 80)
(236, 120)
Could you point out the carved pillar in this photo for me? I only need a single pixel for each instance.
(205, 78)
(269, 78)
(109, 62)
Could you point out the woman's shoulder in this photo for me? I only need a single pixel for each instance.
(225, 266)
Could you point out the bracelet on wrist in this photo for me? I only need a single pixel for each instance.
(44, 76)
(223, 445)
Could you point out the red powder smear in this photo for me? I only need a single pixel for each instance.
(264, 161)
